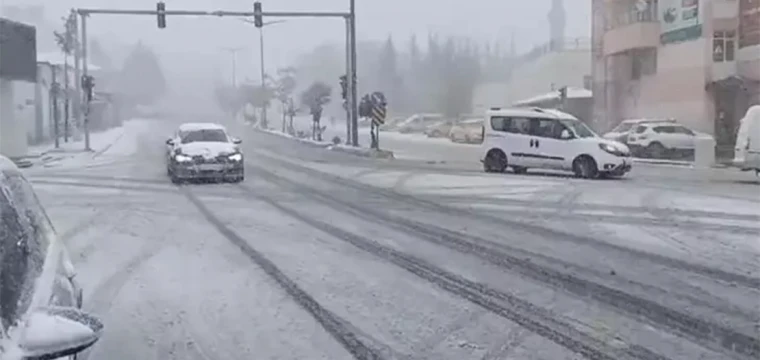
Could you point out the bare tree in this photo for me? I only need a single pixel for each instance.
(67, 42)
(315, 98)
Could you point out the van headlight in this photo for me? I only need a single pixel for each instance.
(236, 157)
(182, 158)
(613, 149)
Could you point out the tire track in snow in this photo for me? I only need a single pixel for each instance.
(549, 233)
(712, 335)
(529, 316)
(332, 323)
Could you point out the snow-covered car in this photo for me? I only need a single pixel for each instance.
(522, 138)
(662, 140)
(439, 129)
(621, 131)
(205, 151)
(418, 123)
(467, 131)
(747, 150)
(40, 300)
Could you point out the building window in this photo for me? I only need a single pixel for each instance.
(643, 63)
(724, 46)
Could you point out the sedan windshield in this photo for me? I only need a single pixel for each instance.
(206, 135)
(580, 129)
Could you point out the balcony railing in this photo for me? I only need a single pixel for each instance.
(567, 44)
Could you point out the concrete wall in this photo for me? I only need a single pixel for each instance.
(680, 66)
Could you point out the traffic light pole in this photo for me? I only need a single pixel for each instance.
(79, 81)
(352, 75)
(349, 106)
(351, 37)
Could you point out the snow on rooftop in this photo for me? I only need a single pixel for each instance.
(572, 93)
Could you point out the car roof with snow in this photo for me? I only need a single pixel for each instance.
(201, 126)
(530, 112)
(8, 166)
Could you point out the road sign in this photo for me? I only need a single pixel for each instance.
(378, 108)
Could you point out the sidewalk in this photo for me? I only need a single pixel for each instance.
(74, 151)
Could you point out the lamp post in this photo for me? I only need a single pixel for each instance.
(261, 62)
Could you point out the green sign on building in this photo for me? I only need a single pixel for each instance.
(680, 20)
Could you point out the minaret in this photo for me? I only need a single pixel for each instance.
(557, 20)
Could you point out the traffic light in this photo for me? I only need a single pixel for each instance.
(161, 9)
(563, 93)
(257, 19)
(344, 86)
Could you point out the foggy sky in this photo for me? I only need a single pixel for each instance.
(193, 44)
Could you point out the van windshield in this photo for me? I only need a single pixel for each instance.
(580, 129)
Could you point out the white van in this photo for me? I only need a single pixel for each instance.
(747, 151)
(523, 138)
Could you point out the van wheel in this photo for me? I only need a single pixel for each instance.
(496, 161)
(519, 169)
(585, 167)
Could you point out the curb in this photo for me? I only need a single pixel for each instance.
(681, 164)
(361, 152)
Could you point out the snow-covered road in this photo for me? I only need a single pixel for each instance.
(322, 255)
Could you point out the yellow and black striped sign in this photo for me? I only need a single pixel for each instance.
(378, 110)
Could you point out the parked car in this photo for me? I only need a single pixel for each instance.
(205, 151)
(439, 129)
(467, 131)
(747, 151)
(522, 138)
(40, 299)
(418, 123)
(662, 140)
(621, 131)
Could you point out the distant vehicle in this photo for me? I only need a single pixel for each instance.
(204, 151)
(747, 151)
(439, 129)
(523, 138)
(40, 300)
(418, 123)
(468, 131)
(621, 131)
(662, 140)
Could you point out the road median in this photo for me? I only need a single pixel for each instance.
(346, 149)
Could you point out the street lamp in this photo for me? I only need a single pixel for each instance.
(261, 61)
(233, 52)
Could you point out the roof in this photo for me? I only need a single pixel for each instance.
(572, 93)
(57, 58)
(638, 121)
(530, 112)
(200, 126)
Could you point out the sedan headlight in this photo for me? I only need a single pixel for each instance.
(236, 157)
(182, 158)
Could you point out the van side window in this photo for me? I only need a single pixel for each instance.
(500, 123)
(520, 126)
(550, 128)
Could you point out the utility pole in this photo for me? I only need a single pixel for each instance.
(233, 52)
(352, 76)
(260, 26)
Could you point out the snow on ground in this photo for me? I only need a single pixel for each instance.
(116, 141)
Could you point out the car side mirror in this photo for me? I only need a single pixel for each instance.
(169, 141)
(237, 141)
(57, 332)
(566, 135)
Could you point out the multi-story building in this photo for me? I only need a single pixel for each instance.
(697, 61)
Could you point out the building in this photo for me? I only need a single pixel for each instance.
(559, 62)
(697, 61)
